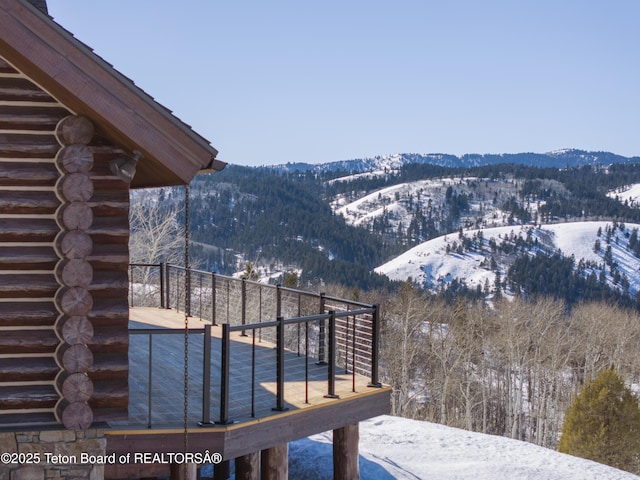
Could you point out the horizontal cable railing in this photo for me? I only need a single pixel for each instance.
(272, 345)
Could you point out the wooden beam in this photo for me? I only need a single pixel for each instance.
(27, 397)
(28, 314)
(28, 341)
(274, 462)
(185, 471)
(15, 89)
(112, 393)
(140, 470)
(28, 202)
(35, 174)
(27, 230)
(248, 466)
(241, 439)
(296, 424)
(6, 68)
(25, 117)
(28, 258)
(13, 145)
(345, 453)
(29, 369)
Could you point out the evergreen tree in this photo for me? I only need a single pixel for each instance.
(603, 424)
(291, 280)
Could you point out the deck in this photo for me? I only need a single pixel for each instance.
(256, 417)
(165, 408)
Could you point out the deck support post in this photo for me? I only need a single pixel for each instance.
(248, 467)
(345, 453)
(275, 462)
(184, 471)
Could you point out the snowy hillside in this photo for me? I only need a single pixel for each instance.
(398, 205)
(398, 448)
(629, 195)
(437, 262)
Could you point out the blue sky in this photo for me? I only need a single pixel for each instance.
(286, 81)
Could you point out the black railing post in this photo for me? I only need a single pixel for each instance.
(299, 325)
(162, 292)
(150, 379)
(306, 362)
(131, 283)
(179, 291)
(206, 379)
(253, 374)
(200, 300)
(280, 366)
(243, 305)
(375, 346)
(353, 356)
(228, 299)
(224, 375)
(168, 279)
(346, 345)
(331, 371)
(213, 298)
(278, 300)
(321, 332)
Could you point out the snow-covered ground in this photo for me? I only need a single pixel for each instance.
(430, 265)
(629, 194)
(398, 202)
(398, 448)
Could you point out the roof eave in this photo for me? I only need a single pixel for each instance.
(86, 84)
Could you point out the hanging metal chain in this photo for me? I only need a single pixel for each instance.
(187, 309)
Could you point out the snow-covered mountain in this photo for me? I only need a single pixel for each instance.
(557, 159)
(437, 262)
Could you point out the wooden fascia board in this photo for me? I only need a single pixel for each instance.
(240, 439)
(86, 84)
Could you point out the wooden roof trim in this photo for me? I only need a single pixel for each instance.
(88, 85)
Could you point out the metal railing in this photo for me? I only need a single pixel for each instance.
(258, 341)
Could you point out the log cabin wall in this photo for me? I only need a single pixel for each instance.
(64, 234)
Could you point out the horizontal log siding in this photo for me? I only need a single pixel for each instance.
(110, 261)
(29, 206)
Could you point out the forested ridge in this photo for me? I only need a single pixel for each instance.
(271, 218)
(285, 221)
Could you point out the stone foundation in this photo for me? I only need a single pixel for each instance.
(52, 455)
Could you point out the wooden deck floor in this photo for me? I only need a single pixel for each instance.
(165, 407)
